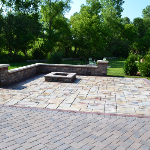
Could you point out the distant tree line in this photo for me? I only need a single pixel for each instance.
(96, 31)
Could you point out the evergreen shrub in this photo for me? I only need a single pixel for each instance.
(144, 67)
(130, 67)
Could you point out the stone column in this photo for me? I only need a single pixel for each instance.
(102, 67)
(3, 74)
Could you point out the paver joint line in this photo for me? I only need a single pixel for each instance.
(71, 111)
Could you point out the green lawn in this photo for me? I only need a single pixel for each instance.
(116, 69)
(17, 65)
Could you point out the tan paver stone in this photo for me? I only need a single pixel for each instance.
(41, 105)
(86, 110)
(110, 110)
(98, 110)
(121, 102)
(69, 108)
(54, 101)
(3, 101)
(12, 102)
(52, 106)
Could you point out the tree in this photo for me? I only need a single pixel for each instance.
(139, 25)
(126, 20)
(116, 4)
(130, 33)
(141, 45)
(50, 10)
(63, 32)
(87, 28)
(1, 32)
(21, 25)
(146, 12)
(8, 30)
(113, 28)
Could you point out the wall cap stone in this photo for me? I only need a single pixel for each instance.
(102, 61)
(4, 65)
(64, 65)
(22, 68)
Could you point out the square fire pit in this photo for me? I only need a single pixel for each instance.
(60, 77)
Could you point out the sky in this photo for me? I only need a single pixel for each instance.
(132, 8)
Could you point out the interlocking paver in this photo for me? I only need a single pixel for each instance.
(97, 94)
(40, 128)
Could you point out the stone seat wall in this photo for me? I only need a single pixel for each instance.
(14, 75)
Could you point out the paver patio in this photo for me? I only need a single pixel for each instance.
(33, 114)
(88, 93)
(34, 129)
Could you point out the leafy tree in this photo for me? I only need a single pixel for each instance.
(141, 44)
(113, 29)
(64, 35)
(146, 12)
(126, 20)
(50, 10)
(87, 29)
(1, 32)
(116, 4)
(8, 30)
(139, 25)
(130, 33)
(21, 25)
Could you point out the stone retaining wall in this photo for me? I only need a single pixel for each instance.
(11, 76)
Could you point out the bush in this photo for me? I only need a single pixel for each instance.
(138, 57)
(6, 58)
(83, 60)
(38, 54)
(144, 67)
(55, 58)
(130, 67)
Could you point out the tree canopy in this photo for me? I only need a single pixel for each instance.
(97, 30)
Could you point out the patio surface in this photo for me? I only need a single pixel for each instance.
(34, 129)
(93, 113)
(128, 96)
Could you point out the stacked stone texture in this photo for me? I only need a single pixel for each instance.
(14, 75)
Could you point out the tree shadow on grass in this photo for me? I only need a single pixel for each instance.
(116, 76)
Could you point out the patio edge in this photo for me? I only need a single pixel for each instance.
(80, 112)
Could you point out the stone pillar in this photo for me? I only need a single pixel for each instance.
(102, 67)
(3, 74)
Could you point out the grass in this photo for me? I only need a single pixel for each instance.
(116, 69)
(17, 65)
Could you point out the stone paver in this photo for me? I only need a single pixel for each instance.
(87, 93)
(91, 113)
(58, 130)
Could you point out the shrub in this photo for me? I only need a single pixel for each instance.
(55, 58)
(144, 67)
(130, 67)
(83, 60)
(6, 58)
(38, 54)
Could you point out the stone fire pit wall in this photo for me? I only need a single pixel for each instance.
(14, 75)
